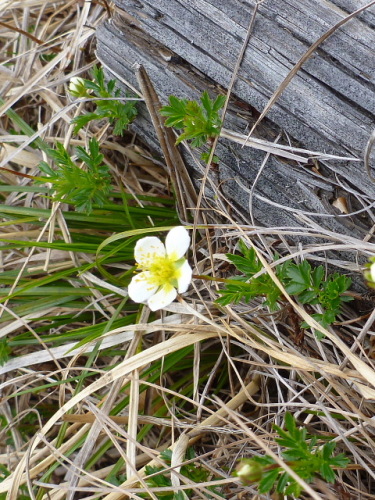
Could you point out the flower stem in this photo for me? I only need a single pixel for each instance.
(205, 277)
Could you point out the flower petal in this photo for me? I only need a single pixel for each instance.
(184, 278)
(139, 289)
(146, 249)
(162, 298)
(177, 242)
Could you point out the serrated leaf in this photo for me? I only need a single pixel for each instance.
(339, 460)
(327, 473)
(295, 288)
(207, 103)
(294, 454)
(317, 276)
(92, 86)
(246, 265)
(328, 449)
(175, 112)
(308, 297)
(233, 294)
(293, 489)
(82, 120)
(268, 480)
(218, 103)
(300, 273)
(198, 121)
(283, 481)
(111, 85)
(46, 169)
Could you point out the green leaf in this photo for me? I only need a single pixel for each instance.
(218, 103)
(282, 483)
(5, 351)
(308, 297)
(175, 112)
(302, 455)
(199, 122)
(339, 460)
(327, 473)
(268, 480)
(317, 276)
(82, 187)
(301, 273)
(82, 120)
(118, 113)
(296, 288)
(180, 495)
(247, 265)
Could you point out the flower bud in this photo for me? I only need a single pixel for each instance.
(370, 273)
(77, 87)
(249, 471)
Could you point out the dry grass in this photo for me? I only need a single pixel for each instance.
(65, 421)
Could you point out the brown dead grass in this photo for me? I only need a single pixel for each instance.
(329, 386)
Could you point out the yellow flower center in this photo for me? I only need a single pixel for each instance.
(163, 271)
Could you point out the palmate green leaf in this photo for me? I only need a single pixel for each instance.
(293, 489)
(180, 495)
(263, 285)
(199, 122)
(327, 473)
(175, 112)
(249, 264)
(218, 103)
(300, 274)
(283, 482)
(308, 297)
(91, 85)
(231, 297)
(98, 76)
(207, 103)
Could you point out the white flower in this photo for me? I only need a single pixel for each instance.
(77, 87)
(163, 269)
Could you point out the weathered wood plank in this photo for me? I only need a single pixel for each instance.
(209, 39)
(188, 47)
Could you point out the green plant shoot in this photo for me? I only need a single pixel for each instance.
(311, 288)
(301, 453)
(199, 122)
(83, 188)
(119, 113)
(248, 287)
(300, 280)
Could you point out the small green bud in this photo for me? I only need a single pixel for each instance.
(370, 273)
(249, 471)
(77, 87)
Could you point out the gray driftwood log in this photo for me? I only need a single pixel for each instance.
(188, 46)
